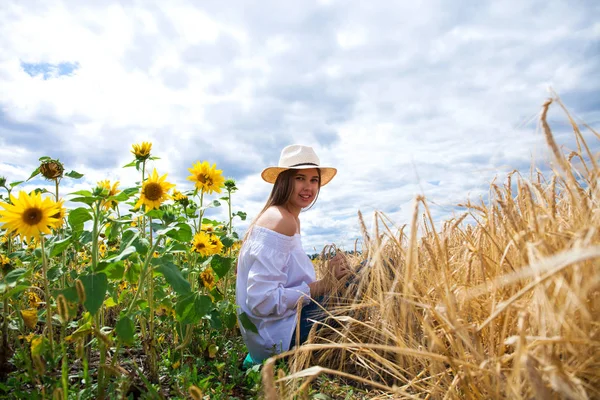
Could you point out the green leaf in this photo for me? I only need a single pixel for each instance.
(13, 184)
(131, 164)
(241, 214)
(114, 270)
(74, 175)
(125, 330)
(228, 318)
(14, 276)
(203, 305)
(174, 277)
(124, 254)
(221, 265)
(191, 308)
(181, 233)
(246, 323)
(59, 246)
(95, 290)
(44, 158)
(155, 214)
(78, 217)
(86, 200)
(185, 311)
(84, 193)
(215, 320)
(70, 294)
(228, 241)
(124, 195)
(34, 174)
(129, 235)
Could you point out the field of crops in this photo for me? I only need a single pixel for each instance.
(130, 294)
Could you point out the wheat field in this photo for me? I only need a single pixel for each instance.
(501, 302)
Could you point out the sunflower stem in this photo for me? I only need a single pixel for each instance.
(47, 295)
(201, 212)
(142, 183)
(95, 237)
(142, 275)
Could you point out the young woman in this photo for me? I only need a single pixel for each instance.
(274, 273)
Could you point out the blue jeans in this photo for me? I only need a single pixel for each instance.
(310, 311)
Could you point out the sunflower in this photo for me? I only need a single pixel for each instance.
(60, 215)
(112, 191)
(207, 278)
(208, 179)
(102, 249)
(209, 228)
(154, 192)
(29, 215)
(5, 264)
(52, 169)
(33, 299)
(202, 244)
(216, 242)
(141, 151)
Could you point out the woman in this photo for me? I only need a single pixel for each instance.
(274, 273)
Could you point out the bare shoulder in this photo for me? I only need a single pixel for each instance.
(278, 220)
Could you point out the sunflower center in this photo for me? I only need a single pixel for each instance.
(153, 191)
(32, 216)
(200, 246)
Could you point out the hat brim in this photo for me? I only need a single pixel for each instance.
(270, 174)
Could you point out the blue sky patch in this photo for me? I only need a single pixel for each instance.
(48, 70)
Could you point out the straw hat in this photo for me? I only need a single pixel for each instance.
(297, 156)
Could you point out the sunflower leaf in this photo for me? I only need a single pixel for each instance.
(247, 324)
(13, 184)
(123, 255)
(34, 174)
(124, 195)
(240, 214)
(59, 246)
(131, 164)
(74, 175)
(85, 193)
(221, 265)
(95, 290)
(78, 217)
(86, 200)
(181, 233)
(174, 277)
(125, 329)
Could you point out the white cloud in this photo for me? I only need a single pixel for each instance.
(403, 98)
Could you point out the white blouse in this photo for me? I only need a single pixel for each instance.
(273, 273)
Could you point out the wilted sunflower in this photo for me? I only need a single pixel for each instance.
(30, 317)
(154, 192)
(207, 278)
(112, 191)
(142, 150)
(217, 244)
(208, 179)
(202, 244)
(52, 169)
(29, 215)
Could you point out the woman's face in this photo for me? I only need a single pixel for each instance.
(305, 187)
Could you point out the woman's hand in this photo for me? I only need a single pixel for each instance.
(338, 270)
(339, 266)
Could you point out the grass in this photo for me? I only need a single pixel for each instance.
(505, 306)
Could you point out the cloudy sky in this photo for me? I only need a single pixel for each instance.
(403, 97)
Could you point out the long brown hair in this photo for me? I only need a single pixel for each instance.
(282, 192)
